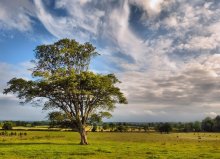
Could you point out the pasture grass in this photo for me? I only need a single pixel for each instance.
(105, 145)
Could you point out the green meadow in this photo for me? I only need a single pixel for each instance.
(105, 145)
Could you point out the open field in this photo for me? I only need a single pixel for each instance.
(45, 144)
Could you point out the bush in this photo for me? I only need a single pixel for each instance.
(105, 126)
(94, 128)
(165, 127)
(7, 126)
(121, 128)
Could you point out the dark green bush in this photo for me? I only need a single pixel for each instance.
(7, 126)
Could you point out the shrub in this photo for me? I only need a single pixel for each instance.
(94, 128)
(165, 127)
(7, 126)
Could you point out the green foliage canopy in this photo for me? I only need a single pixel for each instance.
(63, 81)
(7, 125)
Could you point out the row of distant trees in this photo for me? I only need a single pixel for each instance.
(206, 125)
(8, 125)
(57, 120)
(211, 125)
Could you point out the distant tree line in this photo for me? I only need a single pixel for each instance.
(57, 120)
(206, 125)
(7, 125)
(211, 125)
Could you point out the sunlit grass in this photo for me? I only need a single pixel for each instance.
(45, 144)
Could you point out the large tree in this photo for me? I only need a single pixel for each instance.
(62, 80)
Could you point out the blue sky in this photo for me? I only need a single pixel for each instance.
(165, 52)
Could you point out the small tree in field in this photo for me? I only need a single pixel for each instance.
(7, 126)
(207, 124)
(60, 120)
(165, 127)
(105, 126)
(56, 118)
(63, 81)
(145, 127)
(96, 119)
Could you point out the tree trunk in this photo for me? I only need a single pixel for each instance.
(83, 136)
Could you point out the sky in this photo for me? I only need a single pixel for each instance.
(166, 53)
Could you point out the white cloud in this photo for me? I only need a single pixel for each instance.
(9, 71)
(16, 15)
(211, 114)
(185, 91)
(158, 69)
(171, 22)
(123, 37)
(9, 104)
(80, 17)
(169, 65)
(152, 7)
(52, 24)
(80, 23)
(8, 97)
(149, 112)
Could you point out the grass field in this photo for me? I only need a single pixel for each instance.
(64, 145)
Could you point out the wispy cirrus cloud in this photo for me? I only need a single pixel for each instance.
(165, 52)
(16, 15)
(10, 107)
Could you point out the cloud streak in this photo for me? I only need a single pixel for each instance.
(165, 52)
(9, 104)
(16, 15)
